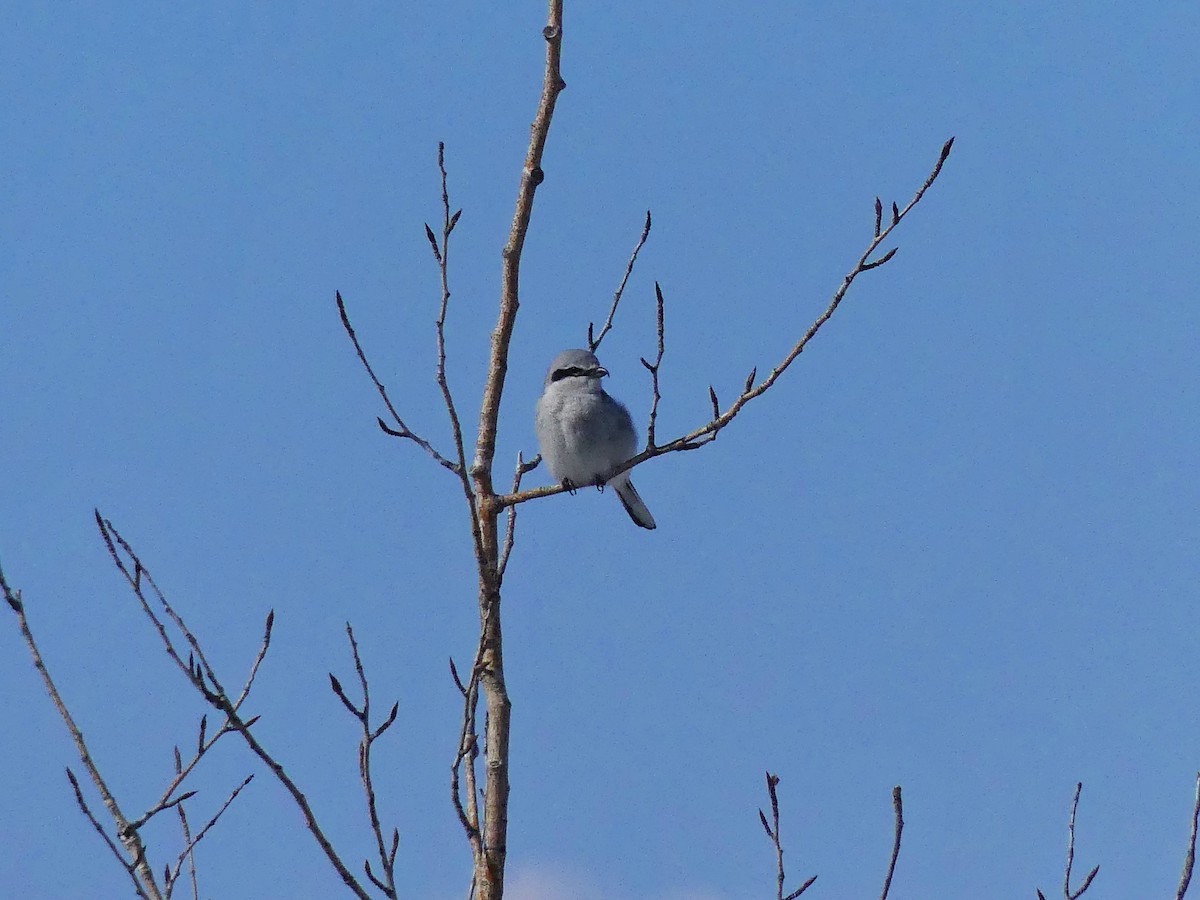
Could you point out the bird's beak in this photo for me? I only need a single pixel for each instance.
(601, 371)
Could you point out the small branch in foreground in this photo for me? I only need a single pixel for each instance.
(708, 432)
(772, 830)
(593, 344)
(1189, 859)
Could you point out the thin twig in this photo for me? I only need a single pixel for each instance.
(387, 860)
(468, 752)
(401, 430)
(204, 744)
(708, 432)
(772, 830)
(1189, 860)
(186, 829)
(258, 660)
(653, 368)
(510, 528)
(135, 860)
(593, 345)
(189, 849)
(1068, 894)
(898, 805)
(442, 256)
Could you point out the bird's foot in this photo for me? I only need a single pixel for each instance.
(599, 483)
(569, 486)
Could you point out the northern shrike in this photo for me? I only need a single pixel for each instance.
(583, 433)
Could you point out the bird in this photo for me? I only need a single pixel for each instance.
(583, 433)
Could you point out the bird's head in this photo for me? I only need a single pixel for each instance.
(575, 366)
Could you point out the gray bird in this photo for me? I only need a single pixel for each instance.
(584, 433)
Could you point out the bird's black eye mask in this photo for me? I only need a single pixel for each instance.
(575, 371)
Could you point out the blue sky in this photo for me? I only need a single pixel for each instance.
(956, 548)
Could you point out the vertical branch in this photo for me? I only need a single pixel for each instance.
(1068, 894)
(653, 368)
(490, 849)
(186, 829)
(442, 256)
(531, 176)
(772, 830)
(386, 880)
(510, 529)
(898, 805)
(1189, 859)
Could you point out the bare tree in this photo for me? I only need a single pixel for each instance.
(486, 828)
(480, 798)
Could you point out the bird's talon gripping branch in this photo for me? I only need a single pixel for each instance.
(569, 486)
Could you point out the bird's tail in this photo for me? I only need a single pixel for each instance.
(632, 502)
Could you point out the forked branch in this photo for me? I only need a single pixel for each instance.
(1068, 894)
(386, 880)
(772, 830)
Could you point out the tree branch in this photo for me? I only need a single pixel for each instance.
(1189, 859)
(1068, 894)
(401, 430)
(898, 806)
(593, 345)
(708, 432)
(489, 844)
(190, 846)
(387, 858)
(134, 861)
(510, 528)
(653, 368)
(772, 830)
(442, 256)
(203, 678)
